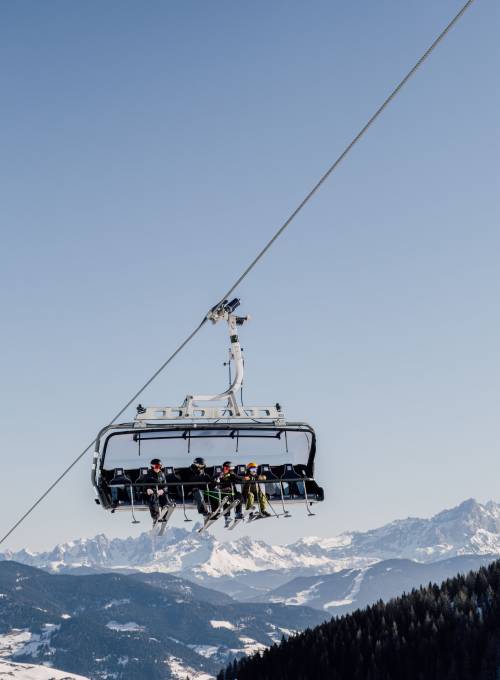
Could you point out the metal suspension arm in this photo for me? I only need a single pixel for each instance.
(225, 311)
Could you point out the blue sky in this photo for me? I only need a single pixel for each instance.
(147, 153)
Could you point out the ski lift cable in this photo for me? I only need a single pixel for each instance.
(258, 257)
(120, 412)
(348, 148)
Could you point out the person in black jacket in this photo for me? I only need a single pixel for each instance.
(196, 473)
(226, 483)
(156, 491)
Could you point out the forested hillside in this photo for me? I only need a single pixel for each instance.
(446, 632)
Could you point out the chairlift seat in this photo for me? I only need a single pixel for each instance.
(291, 489)
(120, 485)
(272, 483)
(171, 476)
(215, 471)
(139, 492)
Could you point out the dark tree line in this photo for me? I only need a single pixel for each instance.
(446, 632)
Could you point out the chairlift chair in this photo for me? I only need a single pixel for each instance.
(215, 427)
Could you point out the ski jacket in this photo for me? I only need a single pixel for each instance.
(154, 479)
(227, 479)
(194, 475)
(251, 484)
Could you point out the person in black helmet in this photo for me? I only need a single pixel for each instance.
(156, 492)
(226, 484)
(196, 473)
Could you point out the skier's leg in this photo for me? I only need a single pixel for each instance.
(238, 510)
(200, 502)
(263, 504)
(250, 500)
(154, 507)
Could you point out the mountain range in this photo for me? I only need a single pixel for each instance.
(247, 569)
(186, 604)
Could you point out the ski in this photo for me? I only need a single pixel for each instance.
(163, 520)
(225, 506)
(256, 516)
(235, 522)
(163, 514)
(210, 519)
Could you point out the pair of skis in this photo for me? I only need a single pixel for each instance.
(234, 523)
(162, 519)
(251, 518)
(226, 505)
(257, 515)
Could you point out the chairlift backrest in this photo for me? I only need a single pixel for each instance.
(240, 470)
(289, 472)
(171, 474)
(215, 471)
(265, 470)
(120, 477)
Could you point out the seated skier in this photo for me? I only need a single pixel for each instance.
(156, 492)
(196, 473)
(252, 491)
(226, 482)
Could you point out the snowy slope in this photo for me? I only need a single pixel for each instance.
(23, 671)
(352, 589)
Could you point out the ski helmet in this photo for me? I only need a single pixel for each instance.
(199, 462)
(227, 463)
(155, 461)
(251, 465)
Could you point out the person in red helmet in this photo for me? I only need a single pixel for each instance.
(252, 491)
(226, 484)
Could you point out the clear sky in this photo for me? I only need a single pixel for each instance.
(148, 150)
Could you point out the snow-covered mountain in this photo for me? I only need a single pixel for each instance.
(126, 627)
(469, 528)
(350, 589)
(200, 558)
